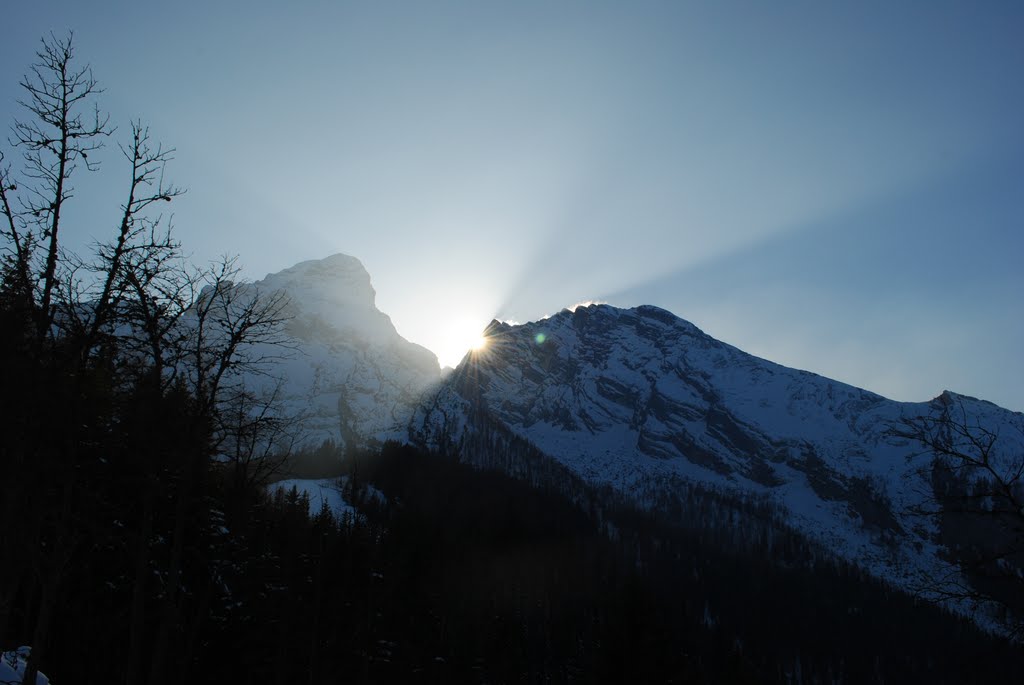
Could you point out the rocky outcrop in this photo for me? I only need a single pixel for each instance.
(351, 378)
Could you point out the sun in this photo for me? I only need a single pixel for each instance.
(457, 337)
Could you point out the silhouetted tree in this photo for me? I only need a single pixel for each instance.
(58, 134)
(111, 353)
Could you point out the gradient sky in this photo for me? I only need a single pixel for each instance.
(833, 186)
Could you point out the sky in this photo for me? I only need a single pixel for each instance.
(836, 187)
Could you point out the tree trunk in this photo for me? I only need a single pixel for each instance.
(41, 634)
(169, 608)
(137, 622)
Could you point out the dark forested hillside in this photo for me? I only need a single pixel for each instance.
(451, 574)
(523, 580)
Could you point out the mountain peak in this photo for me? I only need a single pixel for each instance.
(496, 327)
(340, 279)
(645, 321)
(338, 262)
(353, 378)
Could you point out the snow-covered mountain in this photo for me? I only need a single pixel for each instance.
(634, 400)
(352, 378)
(640, 400)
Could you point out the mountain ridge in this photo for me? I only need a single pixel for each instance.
(637, 402)
(628, 398)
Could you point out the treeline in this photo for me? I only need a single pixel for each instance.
(452, 574)
(543, 588)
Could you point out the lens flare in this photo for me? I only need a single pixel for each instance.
(457, 337)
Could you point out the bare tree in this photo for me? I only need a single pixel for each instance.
(134, 318)
(58, 135)
(976, 500)
(231, 332)
(254, 439)
(21, 241)
(234, 329)
(146, 188)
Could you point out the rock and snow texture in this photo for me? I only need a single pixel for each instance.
(352, 377)
(636, 398)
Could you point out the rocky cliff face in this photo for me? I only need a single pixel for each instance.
(352, 378)
(638, 399)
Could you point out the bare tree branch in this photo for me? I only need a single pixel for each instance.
(54, 139)
(976, 501)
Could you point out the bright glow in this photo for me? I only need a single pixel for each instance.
(457, 337)
(585, 303)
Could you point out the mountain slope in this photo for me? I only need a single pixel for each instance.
(638, 399)
(352, 378)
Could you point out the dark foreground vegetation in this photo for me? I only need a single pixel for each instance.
(452, 574)
(455, 574)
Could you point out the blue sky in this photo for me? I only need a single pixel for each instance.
(833, 186)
